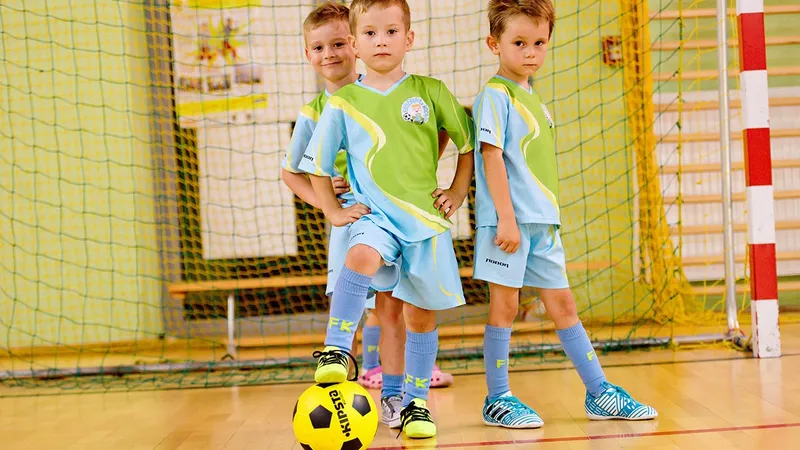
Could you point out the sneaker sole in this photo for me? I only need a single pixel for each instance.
(419, 435)
(331, 377)
(524, 426)
(394, 424)
(632, 419)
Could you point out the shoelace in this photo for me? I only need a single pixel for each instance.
(514, 406)
(412, 413)
(388, 405)
(618, 390)
(337, 357)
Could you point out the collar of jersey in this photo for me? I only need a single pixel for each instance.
(529, 90)
(388, 91)
(328, 94)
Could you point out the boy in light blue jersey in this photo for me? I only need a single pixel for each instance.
(325, 31)
(517, 241)
(389, 122)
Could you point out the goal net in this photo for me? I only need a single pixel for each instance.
(144, 220)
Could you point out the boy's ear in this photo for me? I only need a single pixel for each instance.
(352, 41)
(491, 42)
(409, 39)
(305, 50)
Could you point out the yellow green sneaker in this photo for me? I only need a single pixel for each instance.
(333, 365)
(416, 420)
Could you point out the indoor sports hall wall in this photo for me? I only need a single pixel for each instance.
(224, 238)
(84, 259)
(78, 250)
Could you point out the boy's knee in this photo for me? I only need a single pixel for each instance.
(503, 304)
(363, 259)
(561, 303)
(419, 320)
(389, 311)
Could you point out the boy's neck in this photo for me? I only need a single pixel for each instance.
(519, 79)
(333, 86)
(383, 80)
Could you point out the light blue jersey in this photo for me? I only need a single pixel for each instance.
(339, 236)
(392, 145)
(301, 136)
(515, 120)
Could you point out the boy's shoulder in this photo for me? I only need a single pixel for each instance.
(500, 86)
(426, 84)
(426, 80)
(313, 109)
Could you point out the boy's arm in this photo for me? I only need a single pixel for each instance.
(318, 161)
(455, 121)
(507, 237)
(291, 175)
(301, 186)
(491, 118)
(444, 139)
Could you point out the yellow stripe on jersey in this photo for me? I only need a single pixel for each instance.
(533, 124)
(379, 141)
(310, 113)
(467, 147)
(501, 88)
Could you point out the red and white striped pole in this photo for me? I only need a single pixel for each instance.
(758, 178)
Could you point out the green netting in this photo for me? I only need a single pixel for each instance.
(141, 145)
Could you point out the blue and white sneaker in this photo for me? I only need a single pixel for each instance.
(615, 403)
(509, 412)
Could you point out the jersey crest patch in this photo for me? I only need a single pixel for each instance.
(415, 110)
(547, 116)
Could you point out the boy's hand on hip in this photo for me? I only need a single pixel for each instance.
(507, 237)
(340, 186)
(447, 201)
(345, 216)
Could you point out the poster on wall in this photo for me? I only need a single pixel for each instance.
(216, 53)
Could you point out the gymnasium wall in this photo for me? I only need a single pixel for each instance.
(585, 97)
(78, 254)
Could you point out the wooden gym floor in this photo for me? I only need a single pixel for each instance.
(712, 398)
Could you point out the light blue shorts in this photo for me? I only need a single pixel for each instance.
(428, 270)
(538, 262)
(337, 251)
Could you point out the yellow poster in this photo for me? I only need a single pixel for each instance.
(219, 62)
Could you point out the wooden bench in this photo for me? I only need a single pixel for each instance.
(180, 290)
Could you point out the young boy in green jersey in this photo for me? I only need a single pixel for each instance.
(388, 121)
(517, 242)
(325, 31)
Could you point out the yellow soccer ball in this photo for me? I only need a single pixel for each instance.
(336, 416)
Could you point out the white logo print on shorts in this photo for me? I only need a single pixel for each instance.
(415, 110)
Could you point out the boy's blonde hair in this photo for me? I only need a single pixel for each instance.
(359, 7)
(325, 13)
(501, 11)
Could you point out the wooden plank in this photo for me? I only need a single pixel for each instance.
(711, 74)
(713, 105)
(714, 137)
(445, 331)
(737, 197)
(706, 13)
(712, 43)
(710, 168)
(720, 259)
(179, 290)
(737, 227)
(719, 289)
